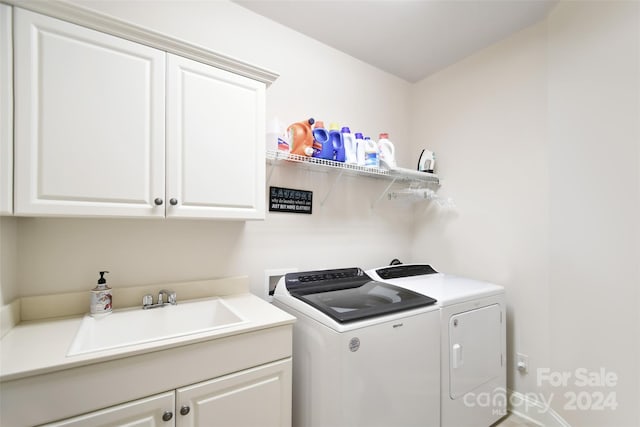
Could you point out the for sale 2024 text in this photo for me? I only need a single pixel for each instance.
(594, 387)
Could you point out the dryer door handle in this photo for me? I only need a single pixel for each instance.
(456, 353)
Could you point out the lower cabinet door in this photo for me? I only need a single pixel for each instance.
(257, 397)
(154, 411)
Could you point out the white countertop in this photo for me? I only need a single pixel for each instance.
(41, 346)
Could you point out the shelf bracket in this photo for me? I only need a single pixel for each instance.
(271, 169)
(335, 181)
(373, 205)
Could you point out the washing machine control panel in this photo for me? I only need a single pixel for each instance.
(305, 279)
(400, 271)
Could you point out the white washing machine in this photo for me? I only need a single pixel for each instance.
(362, 356)
(473, 342)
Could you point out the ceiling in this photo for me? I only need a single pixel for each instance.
(408, 38)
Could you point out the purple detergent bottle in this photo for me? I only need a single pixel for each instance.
(320, 139)
(335, 136)
(327, 146)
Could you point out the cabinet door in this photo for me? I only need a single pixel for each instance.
(215, 142)
(6, 112)
(89, 121)
(258, 397)
(146, 412)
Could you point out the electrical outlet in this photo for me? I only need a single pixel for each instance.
(522, 363)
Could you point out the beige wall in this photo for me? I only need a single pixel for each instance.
(485, 119)
(538, 141)
(8, 260)
(594, 152)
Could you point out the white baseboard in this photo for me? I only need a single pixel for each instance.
(534, 411)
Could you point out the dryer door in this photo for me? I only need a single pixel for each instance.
(475, 349)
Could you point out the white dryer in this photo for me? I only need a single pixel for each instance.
(362, 356)
(473, 342)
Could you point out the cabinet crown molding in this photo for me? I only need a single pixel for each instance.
(79, 15)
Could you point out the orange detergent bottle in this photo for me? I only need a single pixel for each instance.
(301, 137)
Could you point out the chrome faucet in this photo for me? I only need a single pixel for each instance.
(147, 300)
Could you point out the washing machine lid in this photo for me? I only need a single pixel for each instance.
(349, 294)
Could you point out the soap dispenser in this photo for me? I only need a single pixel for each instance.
(101, 298)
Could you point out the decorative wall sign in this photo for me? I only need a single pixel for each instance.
(290, 200)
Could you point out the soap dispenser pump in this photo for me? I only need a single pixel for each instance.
(101, 298)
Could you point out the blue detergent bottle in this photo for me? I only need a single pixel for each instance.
(320, 139)
(327, 146)
(335, 136)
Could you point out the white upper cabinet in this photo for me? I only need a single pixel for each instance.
(89, 129)
(6, 112)
(215, 142)
(90, 120)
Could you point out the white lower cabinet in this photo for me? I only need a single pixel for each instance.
(257, 397)
(146, 412)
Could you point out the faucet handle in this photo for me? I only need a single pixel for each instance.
(147, 300)
(172, 298)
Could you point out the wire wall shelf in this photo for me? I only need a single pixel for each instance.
(314, 163)
(415, 179)
(412, 177)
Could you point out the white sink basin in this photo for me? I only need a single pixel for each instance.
(137, 326)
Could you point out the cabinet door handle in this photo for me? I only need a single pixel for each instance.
(167, 416)
(184, 410)
(158, 201)
(173, 201)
